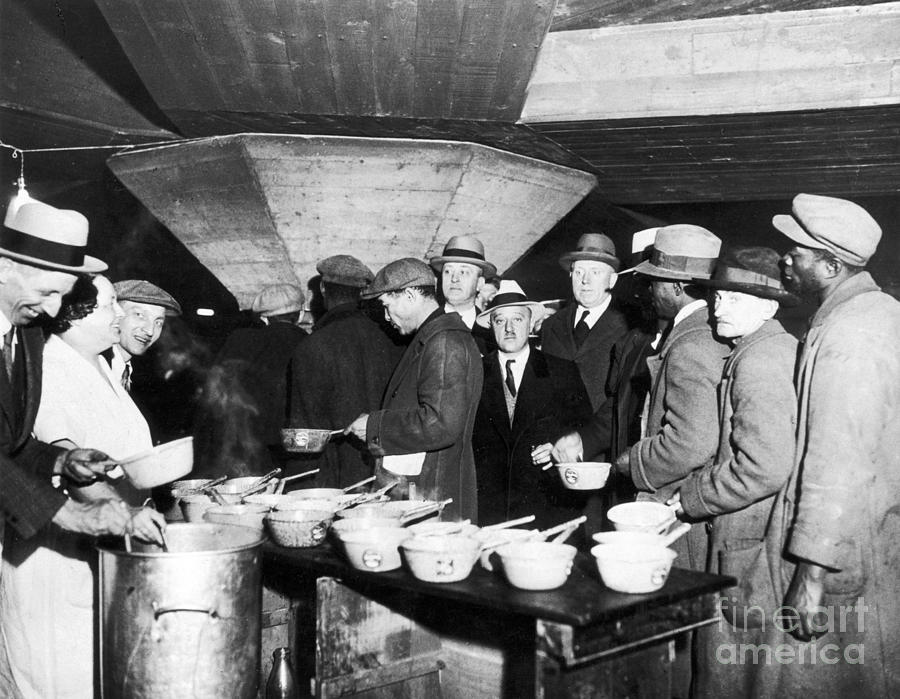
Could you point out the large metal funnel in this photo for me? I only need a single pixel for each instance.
(258, 209)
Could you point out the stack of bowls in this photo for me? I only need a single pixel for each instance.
(642, 516)
(537, 565)
(231, 489)
(441, 559)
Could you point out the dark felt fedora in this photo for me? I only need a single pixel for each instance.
(592, 246)
(751, 270)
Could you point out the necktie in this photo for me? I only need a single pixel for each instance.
(581, 330)
(8, 352)
(126, 377)
(510, 380)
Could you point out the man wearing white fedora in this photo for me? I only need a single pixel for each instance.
(461, 270)
(41, 251)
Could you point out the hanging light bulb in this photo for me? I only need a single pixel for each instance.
(21, 197)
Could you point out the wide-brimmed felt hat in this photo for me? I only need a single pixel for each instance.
(467, 249)
(276, 299)
(142, 291)
(510, 294)
(345, 270)
(44, 236)
(842, 227)
(750, 270)
(682, 252)
(399, 274)
(596, 247)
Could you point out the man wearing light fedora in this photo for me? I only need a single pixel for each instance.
(41, 251)
(735, 493)
(423, 432)
(462, 270)
(837, 518)
(528, 398)
(585, 331)
(681, 427)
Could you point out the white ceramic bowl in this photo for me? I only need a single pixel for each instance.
(317, 493)
(193, 507)
(441, 559)
(241, 515)
(537, 565)
(431, 528)
(270, 500)
(492, 536)
(306, 504)
(375, 550)
(298, 528)
(162, 464)
(641, 516)
(583, 475)
(626, 538)
(345, 526)
(187, 487)
(634, 568)
(231, 489)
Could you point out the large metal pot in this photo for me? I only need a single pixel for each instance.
(183, 623)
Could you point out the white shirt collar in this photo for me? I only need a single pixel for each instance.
(5, 324)
(687, 310)
(593, 313)
(468, 316)
(518, 367)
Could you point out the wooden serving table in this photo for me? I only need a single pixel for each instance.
(362, 634)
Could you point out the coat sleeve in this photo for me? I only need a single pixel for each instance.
(28, 500)
(854, 384)
(442, 396)
(761, 453)
(689, 436)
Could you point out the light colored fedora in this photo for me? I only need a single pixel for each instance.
(42, 235)
(467, 249)
(681, 252)
(510, 294)
(596, 247)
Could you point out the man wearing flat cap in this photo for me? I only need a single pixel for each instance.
(735, 493)
(423, 431)
(42, 249)
(462, 272)
(837, 518)
(146, 307)
(340, 371)
(528, 398)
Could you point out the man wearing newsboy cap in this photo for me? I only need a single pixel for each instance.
(41, 252)
(340, 371)
(837, 517)
(423, 432)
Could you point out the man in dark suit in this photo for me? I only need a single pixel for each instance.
(585, 331)
(41, 251)
(528, 398)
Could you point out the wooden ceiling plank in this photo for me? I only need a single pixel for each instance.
(306, 45)
(352, 45)
(438, 28)
(394, 67)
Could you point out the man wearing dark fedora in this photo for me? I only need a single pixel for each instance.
(736, 493)
(585, 331)
(423, 431)
(528, 398)
(681, 426)
(41, 252)
(462, 270)
(837, 517)
(340, 371)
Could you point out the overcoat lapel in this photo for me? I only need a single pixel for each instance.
(494, 400)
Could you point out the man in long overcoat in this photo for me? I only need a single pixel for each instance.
(430, 403)
(528, 399)
(340, 371)
(757, 420)
(838, 517)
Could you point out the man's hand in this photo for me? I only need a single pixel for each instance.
(541, 454)
(675, 503)
(804, 600)
(147, 525)
(83, 465)
(568, 449)
(358, 427)
(94, 518)
(623, 463)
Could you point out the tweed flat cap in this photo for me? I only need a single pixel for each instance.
(140, 291)
(399, 274)
(276, 299)
(346, 270)
(843, 228)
